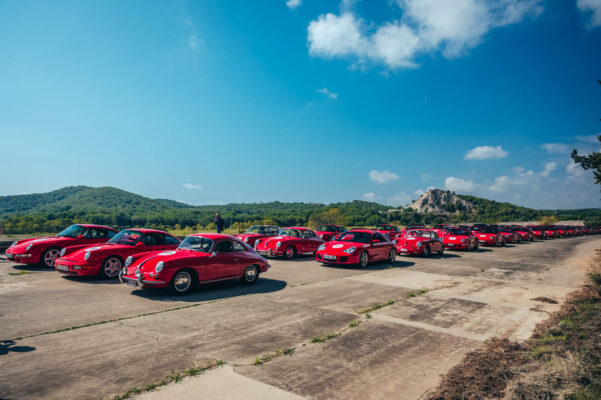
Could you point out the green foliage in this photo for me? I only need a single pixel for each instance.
(323, 217)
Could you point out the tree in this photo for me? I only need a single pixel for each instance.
(592, 161)
(548, 220)
(331, 216)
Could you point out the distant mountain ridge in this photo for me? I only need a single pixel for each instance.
(439, 201)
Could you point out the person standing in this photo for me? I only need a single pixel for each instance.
(219, 223)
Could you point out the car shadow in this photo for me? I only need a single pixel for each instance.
(377, 266)
(214, 291)
(7, 346)
(31, 268)
(91, 279)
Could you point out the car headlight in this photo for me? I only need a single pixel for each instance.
(29, 246)
(159, 267)
(138, 273)
(419, 244)
(87, 255)
(462, 240)
(63, 251)
(321, 236)
(245, 240)
(278, 244)
(350, 250)
(128, 261)
(322, 247)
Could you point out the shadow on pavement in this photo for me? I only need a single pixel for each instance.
(379, 266)
(31, 268)
(7, 346)
(214, 291)
(91, 279)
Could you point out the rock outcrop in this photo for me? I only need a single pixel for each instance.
(441, 202)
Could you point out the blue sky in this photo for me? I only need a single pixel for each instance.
(235, 101)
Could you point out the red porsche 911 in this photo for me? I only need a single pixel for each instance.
(357, 246)
(490, 236)
(46, 250)
(289, 243)
(258, 232)
(107, 259)
(419, 241)
(389, 230)
(327, 232)
(461, 239)
(200, 258)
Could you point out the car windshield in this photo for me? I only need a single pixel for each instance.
(197, 243)
(290, 232)
(358, 237)
(459, 232)
(385, 228)
(259, 229)
(328, 228)
(73, 231)
(487, 229)
(127, 237)
(440, 226)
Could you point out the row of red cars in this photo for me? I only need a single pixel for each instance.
(154, 258)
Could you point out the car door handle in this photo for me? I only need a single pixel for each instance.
(236, 259)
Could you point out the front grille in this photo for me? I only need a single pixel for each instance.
(343, 259)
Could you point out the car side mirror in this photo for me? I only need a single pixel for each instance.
(375, 241)
(79, 237)
(139, 244)
(213, 254)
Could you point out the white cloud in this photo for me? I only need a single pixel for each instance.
(326, 92)
(588, 138)
(451, 27)
(549, 167)
(593, 7)
(192, 186)
(293, 3)
(555, 148)
(370, 196)
(575, 171)
(400, 199)
(485, 152)
(459, 185)
(382, 176)
(505, 183)
(193, 40)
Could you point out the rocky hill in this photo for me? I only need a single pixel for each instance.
(439, 201)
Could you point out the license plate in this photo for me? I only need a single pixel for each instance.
(450, 245)
(404, 250)
(264, 253)
(62, 267)
(8, 256)
(131, 282)
(329, 257)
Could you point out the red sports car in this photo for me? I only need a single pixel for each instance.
(539, 232)
(490, 236)
(290, 242)
(389, 230)
(511, 236)
(200, 258)
(107, 259)
(419, 241)
(327, 232)
(459, 239)
(439, 227)
(357, 246)
(45, 251)
(258, 232)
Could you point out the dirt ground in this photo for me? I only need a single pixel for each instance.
(432, 313)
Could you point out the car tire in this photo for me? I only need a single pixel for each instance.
(250, 276)
(182, 282)
(290, 252)
(110, 267)
(364, 259)
(392, 256)
(426, 251)
(49, 257)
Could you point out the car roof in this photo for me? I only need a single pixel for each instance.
(362, 230)
(97, 226)
(214, 236)
(298, 228)
(147, 230)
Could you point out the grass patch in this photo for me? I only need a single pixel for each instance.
(324, 338)
(367, 315)
(22, 273)
(376, 306)
(354, 324)
(176, 377)
(270, 356)
(415, 294)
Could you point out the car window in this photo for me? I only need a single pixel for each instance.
(290, 232)
(110, 234)
(224, 246)
(308, 234)
(91, 233)
(169, 240)
(379, 237)
(237, 247)
(272, 230)
(154, 239)
(359, 237)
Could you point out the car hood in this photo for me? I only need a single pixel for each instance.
(340, 246)
(250, 235)
(53, 240)
(456, 237)
(78, 255)
(275, 239)
(167, 256)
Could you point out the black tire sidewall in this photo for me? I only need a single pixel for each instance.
(246, 282)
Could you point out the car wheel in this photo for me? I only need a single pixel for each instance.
(251, 274)
(392, 256)
(290, 252)
(364, 259)
(182, 282)
(426, 251)
(110, 267)
(49, 257)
